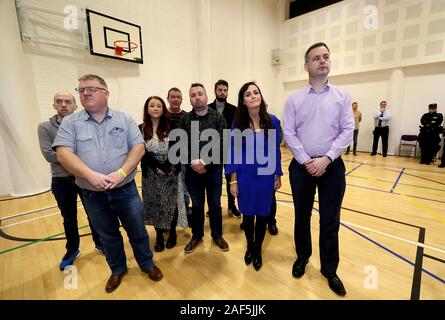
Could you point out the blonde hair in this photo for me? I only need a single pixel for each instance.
(94, 77)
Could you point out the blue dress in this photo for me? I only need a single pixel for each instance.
(256, 159)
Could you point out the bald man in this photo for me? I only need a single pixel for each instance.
(63, 183)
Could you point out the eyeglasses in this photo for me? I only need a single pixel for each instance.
(89, 90)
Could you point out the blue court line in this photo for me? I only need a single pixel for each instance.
(397, 194)
(397, 180)
(355, 168)
(393, 253)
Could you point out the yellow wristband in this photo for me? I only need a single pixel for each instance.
(202, 161)
(233, 182)
(122, 172)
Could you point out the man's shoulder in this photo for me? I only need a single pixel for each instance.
(212, 105)
(231, 106)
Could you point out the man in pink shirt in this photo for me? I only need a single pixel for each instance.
(318, 125)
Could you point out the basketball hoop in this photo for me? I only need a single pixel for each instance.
(122, 47)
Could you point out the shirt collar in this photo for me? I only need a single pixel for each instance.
(312, 90)
(85, 115)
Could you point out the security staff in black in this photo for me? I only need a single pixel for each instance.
(429, 136)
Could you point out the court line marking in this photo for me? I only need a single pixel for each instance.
(395, 254)
(397, 180)
(378, 232)
(29, 220)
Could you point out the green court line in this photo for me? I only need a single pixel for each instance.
(37, 241)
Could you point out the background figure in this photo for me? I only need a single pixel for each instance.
(63, 184)
(160, 192)
(442, 159)
(429, 136)
(228, 111)
(317, 162)
(102, 148)
(357, 119)
(174, 98)
(382, 117)
(204, 176)
(246, 180)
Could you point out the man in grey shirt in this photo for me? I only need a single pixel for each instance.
(63, 183)
(102, 148)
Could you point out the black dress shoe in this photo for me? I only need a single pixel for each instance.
(298, 267)
(373, 154)
(248, 257)
(171, 241)
(257, 261)
(335, 283)
(273, 230)
(159, 246)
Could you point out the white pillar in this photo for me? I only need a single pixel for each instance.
(396, 92)
(19, 115)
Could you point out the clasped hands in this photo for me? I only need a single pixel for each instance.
(105, 181)
(316, 167)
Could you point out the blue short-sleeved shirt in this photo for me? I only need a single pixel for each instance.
(104, 146)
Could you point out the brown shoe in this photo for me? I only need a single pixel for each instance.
(114, 282)
(154, 273)
(191, 246)
(222, 244)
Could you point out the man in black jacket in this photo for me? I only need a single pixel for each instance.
(228, 110)
(429, 137)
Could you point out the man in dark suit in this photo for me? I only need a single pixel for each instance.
(228, 110)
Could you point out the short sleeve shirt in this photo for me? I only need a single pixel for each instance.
(104, 146)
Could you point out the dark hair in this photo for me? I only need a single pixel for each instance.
(432, 106)
(315, 45)
(197, 84)
(164, 121)
(221, 83)
(173, 89)
(242, 119)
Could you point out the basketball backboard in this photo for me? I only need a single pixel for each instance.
(104, 31)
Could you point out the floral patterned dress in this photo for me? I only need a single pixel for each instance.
(161, 194)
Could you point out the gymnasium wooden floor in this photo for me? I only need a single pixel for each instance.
(392, 246)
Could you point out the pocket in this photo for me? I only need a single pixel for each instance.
(118, 139)
(84, 143)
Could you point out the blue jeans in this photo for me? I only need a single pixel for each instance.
(198, 185)
(65, 191)
(106, 209)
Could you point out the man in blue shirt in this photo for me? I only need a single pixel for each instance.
(102, 148)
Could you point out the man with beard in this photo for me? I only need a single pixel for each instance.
(228, 111)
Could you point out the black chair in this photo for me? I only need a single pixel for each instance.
(408, 140)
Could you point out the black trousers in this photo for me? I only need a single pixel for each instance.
(331, 189)
(384, 133)
(65, 191)
(429, 147)
(230, 197)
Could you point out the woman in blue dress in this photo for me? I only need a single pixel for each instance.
(255, 166)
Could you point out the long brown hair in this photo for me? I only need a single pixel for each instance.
(242, 118)
(164, 122)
